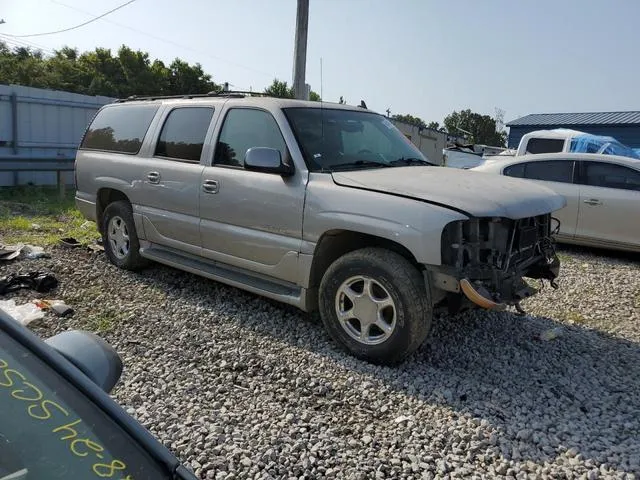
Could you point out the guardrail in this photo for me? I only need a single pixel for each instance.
(57, 165)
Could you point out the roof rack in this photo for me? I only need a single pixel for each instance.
(228, 94)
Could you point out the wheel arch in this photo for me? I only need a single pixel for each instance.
(104, 197)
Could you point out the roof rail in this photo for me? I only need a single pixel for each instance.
(229, 94)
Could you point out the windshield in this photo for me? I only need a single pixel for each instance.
(48, 430)
(333, 139)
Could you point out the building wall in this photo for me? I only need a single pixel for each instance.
(430, 142)
(50, 125)
(626, 134)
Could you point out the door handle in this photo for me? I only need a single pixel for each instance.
(153, 177)
(210, 186)
(593, 201)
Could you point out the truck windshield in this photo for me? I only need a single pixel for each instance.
(333, 139)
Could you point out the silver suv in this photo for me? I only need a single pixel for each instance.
(317, 205)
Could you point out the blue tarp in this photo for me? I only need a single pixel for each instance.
(587, 143)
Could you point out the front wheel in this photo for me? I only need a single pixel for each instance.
(375, 303)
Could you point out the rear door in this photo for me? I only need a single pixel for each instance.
(558, 176)
(171, 179)
(609, 204)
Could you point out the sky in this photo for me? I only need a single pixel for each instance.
(420, 57)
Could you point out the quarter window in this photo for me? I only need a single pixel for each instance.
(119, 128)
(609, 175)
(244, 129)
(183, 133)
(545, 145)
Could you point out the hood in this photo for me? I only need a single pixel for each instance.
(473, 193)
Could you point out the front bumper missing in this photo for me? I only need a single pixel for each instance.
(480, 296)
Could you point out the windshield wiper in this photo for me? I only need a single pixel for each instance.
(356, 164)
(407, 161)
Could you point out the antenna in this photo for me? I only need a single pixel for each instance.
(321, 95)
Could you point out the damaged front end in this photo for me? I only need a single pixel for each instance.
(485, 259)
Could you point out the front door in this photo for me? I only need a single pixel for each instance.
(171, 180)
(609, 204)
(251, 220)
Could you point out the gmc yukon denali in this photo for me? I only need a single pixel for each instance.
(316, 205)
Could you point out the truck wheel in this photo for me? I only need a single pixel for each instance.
(375, 304)
(119, 237)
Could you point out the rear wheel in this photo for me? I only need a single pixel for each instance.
(119, 237)
(375, 303)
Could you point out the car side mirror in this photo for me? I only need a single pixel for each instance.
(91, 355)
(267, 160)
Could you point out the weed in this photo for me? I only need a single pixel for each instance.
(38, 215)
(572, 316)
(103, 321)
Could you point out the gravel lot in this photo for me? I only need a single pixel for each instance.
(240, 387)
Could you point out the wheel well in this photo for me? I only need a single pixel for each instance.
(336, 243)
(105, 197)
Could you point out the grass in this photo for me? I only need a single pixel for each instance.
(38, 216)
(572, 316)
(103, 321)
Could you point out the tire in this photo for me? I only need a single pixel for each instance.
(391, 333)
(123, 253)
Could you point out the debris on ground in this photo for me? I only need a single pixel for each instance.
(10, 252)
(38, 281)
(24, 313)
(70, 242)
(56, 306)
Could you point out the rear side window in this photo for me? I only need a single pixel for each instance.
(551, 171)
(183, 133)
(609, 175)
(545, 145)
(119, 128)
(244, 129)
(516, 170)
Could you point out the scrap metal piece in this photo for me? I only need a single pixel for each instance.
(478, 298)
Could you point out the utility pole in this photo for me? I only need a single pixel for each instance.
(300, 50)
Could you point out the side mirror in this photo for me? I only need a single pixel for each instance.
(267, 160)
(91, 355)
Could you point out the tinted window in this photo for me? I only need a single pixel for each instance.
(183, 133)
(515, 170)
(544, 145)
(610, 175)
(244, 129)
(48, 429)
(551, 171)
(120, 128)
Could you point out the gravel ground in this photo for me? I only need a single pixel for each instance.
(240, 387)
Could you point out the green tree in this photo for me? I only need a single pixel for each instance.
(433, 125)
(279, 89)
(482, 128)
(410, 119)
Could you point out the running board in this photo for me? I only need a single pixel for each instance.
(285, 293)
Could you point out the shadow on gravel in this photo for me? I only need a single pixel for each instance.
(576, 395)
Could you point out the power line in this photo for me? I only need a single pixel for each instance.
(170, 42)
(24, 43)
(76, 26)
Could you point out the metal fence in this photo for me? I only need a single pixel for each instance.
(39, 133)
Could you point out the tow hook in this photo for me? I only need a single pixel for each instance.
(480, 296)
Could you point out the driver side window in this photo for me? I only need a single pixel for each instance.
(243, 129)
